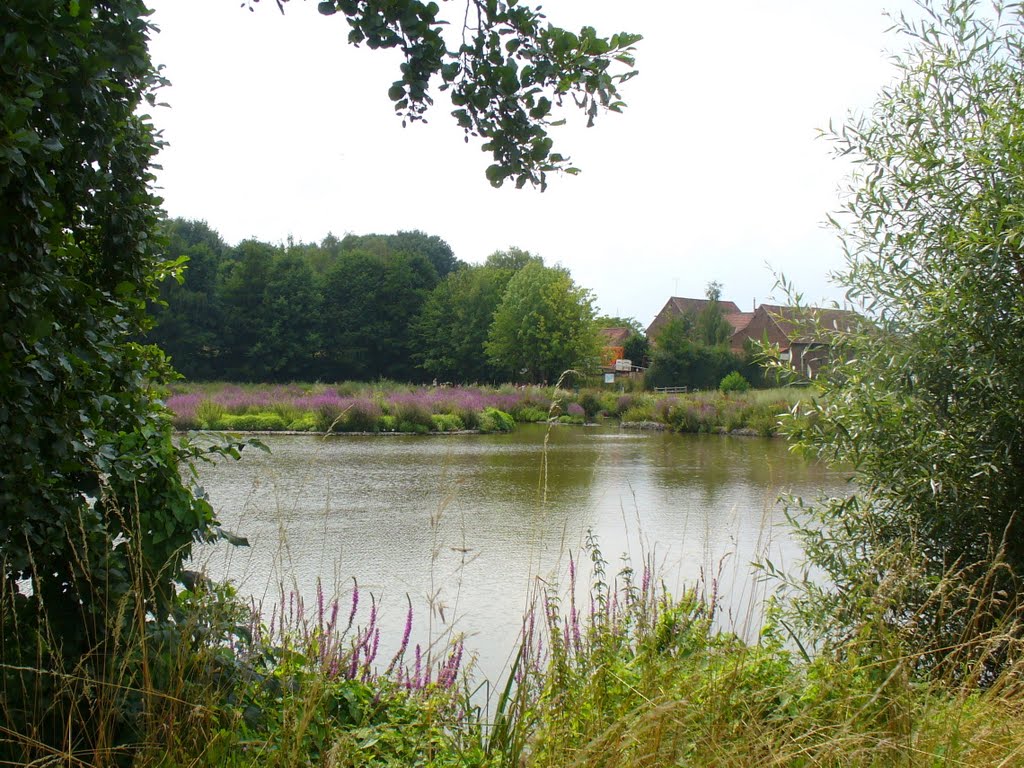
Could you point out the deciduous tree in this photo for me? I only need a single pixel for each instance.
(925, 400)
(544, 325)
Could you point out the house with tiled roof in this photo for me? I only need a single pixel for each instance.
(613, 345)
(800, 333)
(678, 306)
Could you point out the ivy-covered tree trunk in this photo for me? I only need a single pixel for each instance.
(94, 518)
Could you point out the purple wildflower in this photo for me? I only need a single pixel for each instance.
(405, 639)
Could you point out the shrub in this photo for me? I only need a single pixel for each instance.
(734, 382)
(412, 416)
(590, 404)
(388, 423)
(361, 416)
(288, 411)
(305, 423)
(638, 414)
(470, 417)
(530, 415)
(765, 418)
(447, 422)
(250, 422)
(693, 416)
(328, 415)
(209, 413)
(493, 420)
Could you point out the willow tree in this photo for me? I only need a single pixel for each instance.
(924, 401)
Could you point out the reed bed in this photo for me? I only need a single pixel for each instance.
(386, 407)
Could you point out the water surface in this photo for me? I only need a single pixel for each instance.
(468, 525)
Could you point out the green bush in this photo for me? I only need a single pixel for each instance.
(414, 427)
(250, 422)
(591, 404)
(289, 412)
(411, 416)
(493, 420)
(638, 412)
(209, 413)
(388, 423)
(470, 418)
(447, 422)
(530, 415)
(734, 382)
(305, 423)
(360, 416)
(327, 417)
(765, 418)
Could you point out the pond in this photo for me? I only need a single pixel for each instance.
(469, 526)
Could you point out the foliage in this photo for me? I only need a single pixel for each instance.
(412, 416)
(925, 401)
(95, 520)
(608, 321)
(451, 330)
(544, 325)
(494, 420)
(637, 349)
(411, 243)
(512, 259)
(679, 361)
(364, 307)
(733, 382)
(258, 422)
(446, 422)
(712, 328)
(590, 404)
(507, 77)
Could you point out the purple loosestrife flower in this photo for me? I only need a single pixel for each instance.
(416, 682)
(332, 623)
(405, 639)
(183, 409)
(355, 605)
(353, 666)
(319, 605)
(449, 672)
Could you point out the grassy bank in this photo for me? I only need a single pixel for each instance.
(620, 674)
(391, 407)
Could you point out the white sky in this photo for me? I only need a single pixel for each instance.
(277, 127)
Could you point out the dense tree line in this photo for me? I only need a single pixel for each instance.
(365, 307)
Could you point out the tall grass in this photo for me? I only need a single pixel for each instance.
(616, 673)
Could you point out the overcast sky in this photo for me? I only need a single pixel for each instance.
(278, 128)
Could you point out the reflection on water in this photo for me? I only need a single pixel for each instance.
(470, 523)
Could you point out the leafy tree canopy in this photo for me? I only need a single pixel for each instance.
(431, 247)
(544, 325)
(455, 321)
(710, 326)
(609, 321)
(508, 72)
(94, 514)
(512, 259)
